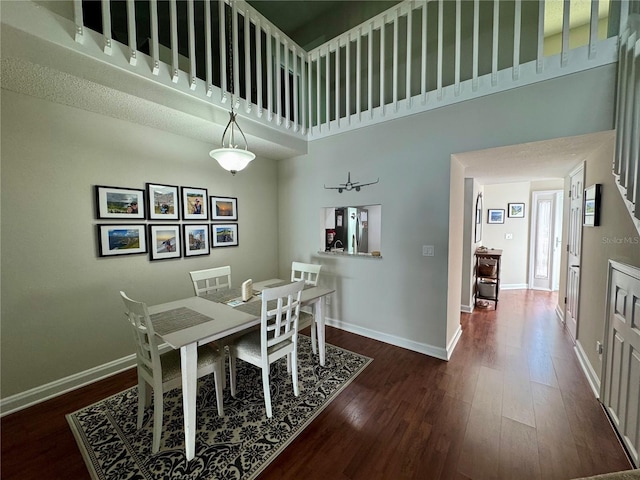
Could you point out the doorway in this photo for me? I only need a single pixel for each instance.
(574, 251)
(545, 240)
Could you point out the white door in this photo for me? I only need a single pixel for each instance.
(621, 386)
(574, 251)
(546, 236)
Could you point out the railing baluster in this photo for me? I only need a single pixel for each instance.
(566, 26)
(517, 23)
(456, 87)
(629, 50)
(635, 134)
(278, 45)
(496, 33)
(192, 44)
(173, 21)
(208, 53)
(318, 85)
(358, 74)
(236, 55)
(106, 26)
(440, 45)
(370, 71)
(155, 49)
(269, 74)
(382, 57)
(593, 28)
(347, 80)
(336, 90)
(259, 66)
(295, 89)
(222, 17)
(287, 93)
(131, 32)
(620, 99)
(408, 69)
(78, 20)
(540, 54)
(305, 95)
(328, 75)
(423, 67)
(476, 43)
(247, 61)
(395, 61)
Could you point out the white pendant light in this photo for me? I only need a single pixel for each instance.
(230, 157)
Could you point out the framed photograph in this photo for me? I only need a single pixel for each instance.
(162, 201)
(121, 239)
(478, 230)
(224, 208)
(164, 242)
(516, 210)
(116, 202)
(495, 215)
(224, 234)
(196, 240)
(194, 204)
(591, 207)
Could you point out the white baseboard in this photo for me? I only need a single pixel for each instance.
(48, 391)
(437, 352)
(72, 382)
(560, 314)
(45, 392)
(454, 341)
(589, 372)
(514, 286)
(466, 308)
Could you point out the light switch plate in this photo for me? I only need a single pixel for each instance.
(508, 236)
(428, 251)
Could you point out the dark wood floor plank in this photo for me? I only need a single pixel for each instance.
(512, 402)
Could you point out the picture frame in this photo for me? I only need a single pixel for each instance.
(119, 202)
(196, 240)
(121, 239)
(495, 215)
(224, 208)
(515, 210)
(164, 242)
(224, 235)
(591, 205)
(478, 225)
(194, 204)
(163, 202)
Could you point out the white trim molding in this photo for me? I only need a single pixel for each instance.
(560, 314)
(467, 308)
(589, 372)
(514, 286)
(432, 351)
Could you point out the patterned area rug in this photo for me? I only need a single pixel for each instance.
(237, 446)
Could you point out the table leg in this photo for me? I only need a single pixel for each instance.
(318, 310)
(189, 365)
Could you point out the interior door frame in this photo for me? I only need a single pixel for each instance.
(532, 234)
(578, 226)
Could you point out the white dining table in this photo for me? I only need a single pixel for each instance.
(212, 320)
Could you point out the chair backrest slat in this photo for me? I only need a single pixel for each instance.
(211, 280)
(283, 319)
(146, 343)
(309, 272)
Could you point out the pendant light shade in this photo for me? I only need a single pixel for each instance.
(229, 156)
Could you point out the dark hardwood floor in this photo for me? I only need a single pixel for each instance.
(512, 403)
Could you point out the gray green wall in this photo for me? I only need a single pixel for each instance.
(61, 311)
(403, 297)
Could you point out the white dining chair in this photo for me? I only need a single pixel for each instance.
(277, 338)
(310, 273)
(162, 372)
(211, 280)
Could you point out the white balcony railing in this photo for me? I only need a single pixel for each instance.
(415, 56)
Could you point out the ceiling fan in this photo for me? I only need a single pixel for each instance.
(351, 185)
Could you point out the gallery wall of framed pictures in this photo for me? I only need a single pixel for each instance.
(191, 207)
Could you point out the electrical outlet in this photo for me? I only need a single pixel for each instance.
(327, 299)
(428, 251)
(508, 236)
